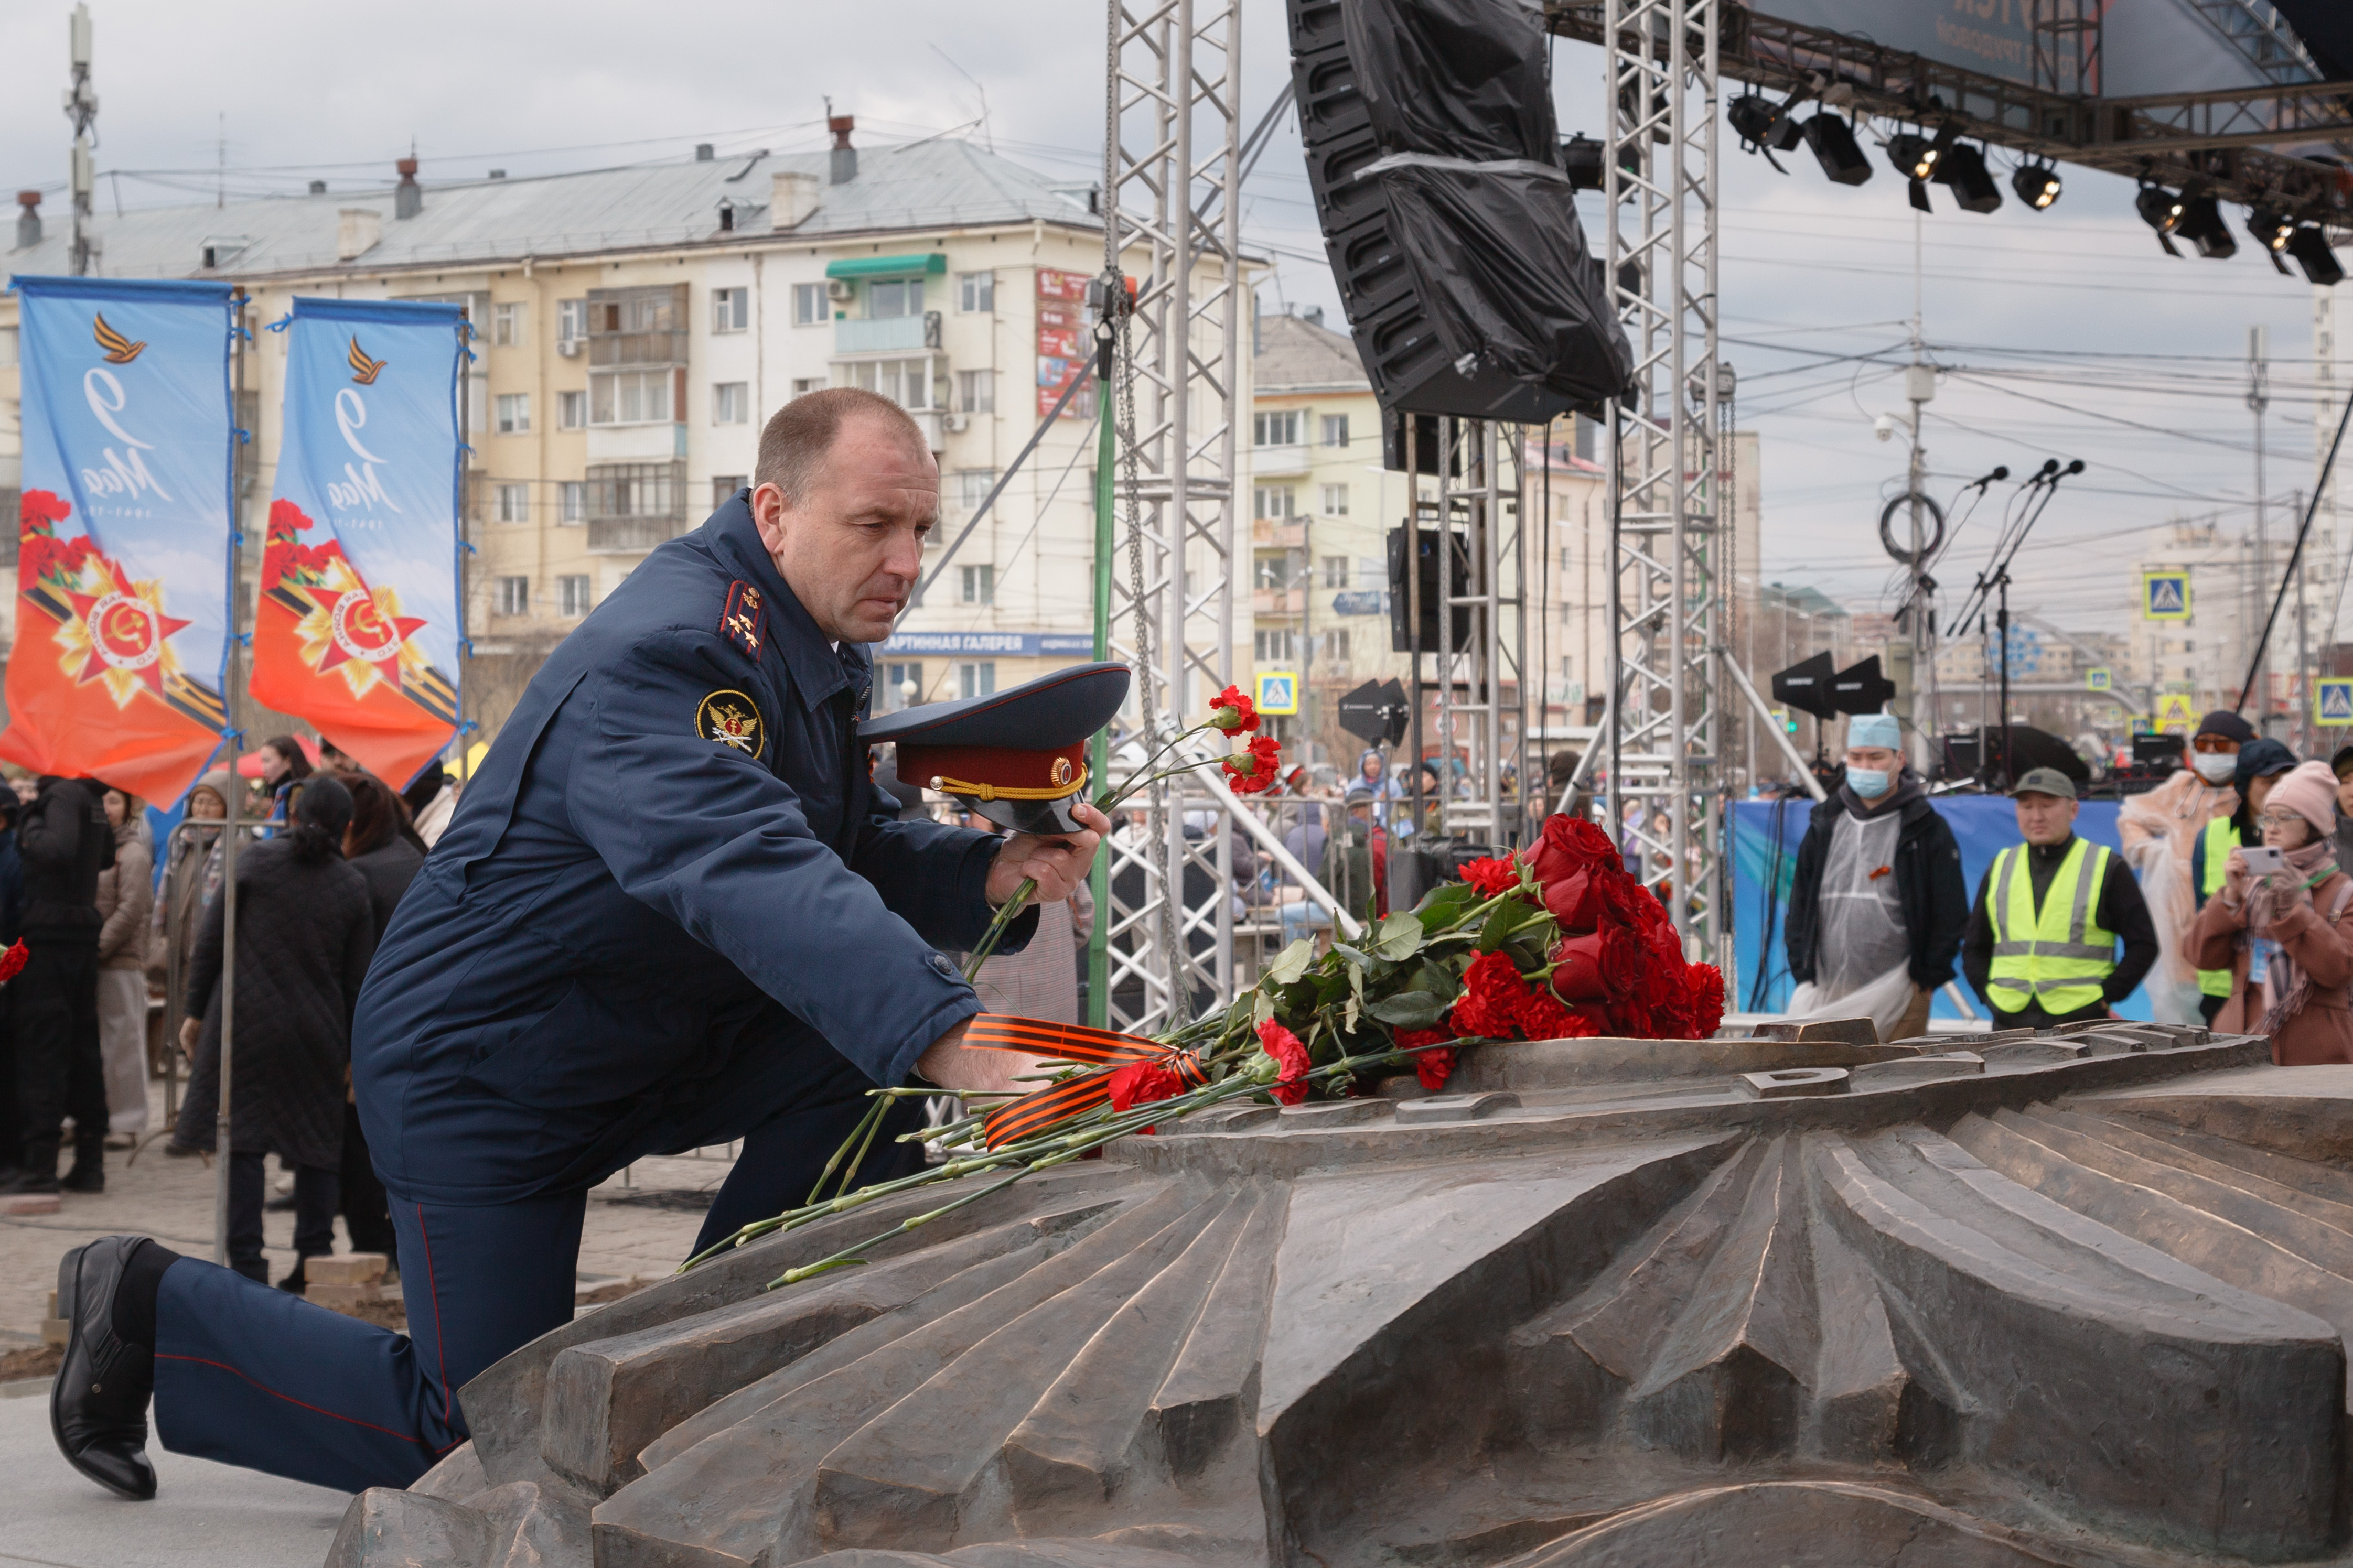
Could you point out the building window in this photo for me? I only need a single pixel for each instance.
(637, 490)
(901, 687)
(1276, 430)
(979, 585)
(1336, 500)
(731, 309)
(571, 320)
(1275, 644)
(574, 501)
(1336, 429)
(1336, 571)
(810, 306)
(977, 391)
(514, 596)
(723, 488)
(629, 398)
(1332, 647)
(506, 324)
(973, 486)
(571, 410)
(890, 297)
(1372, 571)
(514, 412)
(1272, 502)
(1272, 571)
(977, 292)
(976, 679)
(8, 345)
(805, 385)
(731, 403)
(514, 503)
(906, 381)
(572, 594)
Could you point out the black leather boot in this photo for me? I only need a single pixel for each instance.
(88, 1173)
(98, 1406)
(40, 1171)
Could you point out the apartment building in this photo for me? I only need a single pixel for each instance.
(634, 328)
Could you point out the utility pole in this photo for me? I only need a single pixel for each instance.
(2301, 724)
(81, 108)
(2258, 399)
(1919, 389)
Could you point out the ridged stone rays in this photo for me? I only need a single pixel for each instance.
(2055, 1302)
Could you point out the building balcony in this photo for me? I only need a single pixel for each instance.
(1277, 601)
(889, 334)
(633, 535)
(1271, 533)
(1280, 462)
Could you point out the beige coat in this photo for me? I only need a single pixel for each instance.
(2322, 1030)
(126, 899)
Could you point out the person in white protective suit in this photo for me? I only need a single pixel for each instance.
(1879, 904)
(2159, 832)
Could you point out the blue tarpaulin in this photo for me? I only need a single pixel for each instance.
(1983, 825)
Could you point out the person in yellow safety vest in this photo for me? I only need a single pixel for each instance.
(2042, 944)
(2261, 763)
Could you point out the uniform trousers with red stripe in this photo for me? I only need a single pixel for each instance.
(258, 1377)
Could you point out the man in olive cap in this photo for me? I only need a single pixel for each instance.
(2042, 945)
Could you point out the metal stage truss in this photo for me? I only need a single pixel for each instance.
(1659, 204)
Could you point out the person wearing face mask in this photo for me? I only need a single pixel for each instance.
(2159, 832)
(2287, 936)
(2261, 764)
(1879, 904)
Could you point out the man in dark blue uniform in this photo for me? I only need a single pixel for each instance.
(666, 914)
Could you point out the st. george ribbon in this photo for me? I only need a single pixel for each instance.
(122, 574)
(356, 628)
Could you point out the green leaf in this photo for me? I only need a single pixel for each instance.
(1444, 905)
(1358, 959)
(1410, 1009)
(1292, 963)
(1500, 925)
(1261, 1008)
(1397, 938)
(1348, 1014)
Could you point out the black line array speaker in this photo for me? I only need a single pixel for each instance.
(1461, 265)
(1400, 624)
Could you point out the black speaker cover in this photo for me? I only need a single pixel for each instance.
(1463, 79)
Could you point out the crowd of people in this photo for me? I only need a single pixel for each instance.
(2226, 900)
(127, 950)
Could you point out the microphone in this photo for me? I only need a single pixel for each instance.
(2076, 467)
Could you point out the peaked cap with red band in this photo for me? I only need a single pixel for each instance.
(1017, 757)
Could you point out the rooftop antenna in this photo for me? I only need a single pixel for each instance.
(220, 164)
(81, 108)
(987, 140)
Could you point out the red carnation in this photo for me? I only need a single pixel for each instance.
(1492, 990)
(1230, 711)
(1704, 983)
(14, 961)
(1142, 1083)
(1434, 1068)
(1290, 1086)
(1493, 876)
(1249, 772)
(1407, 1040)
(1570, 844)
(1542, 1016)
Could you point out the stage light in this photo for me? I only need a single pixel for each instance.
(1911, 155)
(1763, 125)
(2201, 224)
(2161, 210)
(2037, 185)
(2270, 229)
(1962, 171)
(1836, 151)
(2311, 249)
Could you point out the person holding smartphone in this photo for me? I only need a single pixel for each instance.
(2282, 924)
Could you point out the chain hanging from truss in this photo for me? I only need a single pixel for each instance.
(1660, 192)
(1172, 174)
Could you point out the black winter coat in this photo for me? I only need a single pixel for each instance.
(1929, 887)
(66, 841)
(304, 936)
(389, 869)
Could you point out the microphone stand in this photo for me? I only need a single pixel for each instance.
(1997, 578)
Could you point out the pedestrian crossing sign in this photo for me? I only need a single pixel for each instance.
(2332, 701)
(2096, 679)
(2164, 595)
(1278, 691)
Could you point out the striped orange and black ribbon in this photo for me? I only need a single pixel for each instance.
(1050, 1108)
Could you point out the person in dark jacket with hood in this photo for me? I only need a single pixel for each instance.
(381, 846)
(12, 919)
(1879, 882)
(305, 931)
(65, 841)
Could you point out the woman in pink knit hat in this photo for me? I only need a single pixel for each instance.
(2287, 938)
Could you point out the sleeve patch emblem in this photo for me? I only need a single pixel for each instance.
(745, 620)
(731, 719)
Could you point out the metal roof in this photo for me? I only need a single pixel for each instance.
(929, 185)
(1296, 355)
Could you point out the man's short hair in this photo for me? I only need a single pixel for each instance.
(793, 443)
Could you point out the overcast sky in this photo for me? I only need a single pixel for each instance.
(2069, 333)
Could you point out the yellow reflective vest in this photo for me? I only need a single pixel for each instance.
(2057, 959)
(2222, 837)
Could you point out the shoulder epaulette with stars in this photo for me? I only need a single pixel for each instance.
(745, 620)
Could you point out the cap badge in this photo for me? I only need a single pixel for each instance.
(1061, 770)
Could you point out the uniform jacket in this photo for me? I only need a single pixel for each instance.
(670, 857)
(66, 842)
(2322, 1029)
(1929, 887)
(303, 937)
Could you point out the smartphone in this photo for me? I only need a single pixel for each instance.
(2263, 862)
